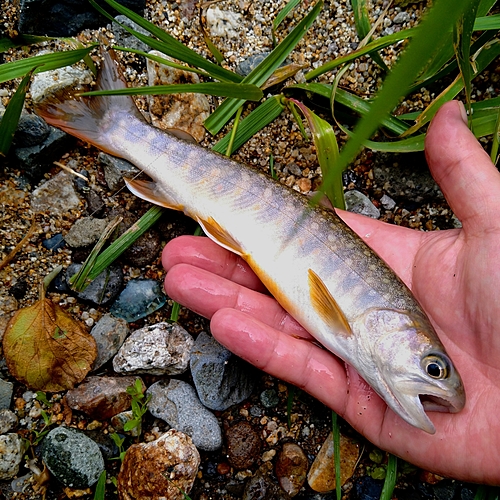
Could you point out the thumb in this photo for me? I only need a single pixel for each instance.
(463, 170)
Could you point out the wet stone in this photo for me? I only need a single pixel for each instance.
(55, 196)
(8, 421)
(164, 468)
(101, 397)
(85, 232)
(243, 445)
(11, 455)
(115, 169)
(72, 457)
(144, 250)
(176, 402)
(291, 468)
(366, 488)
(6, 391)
(269, 398)
(103, 289)
(107, 446)
(109, 334)
(246, 66)
(139, 299)
(261, 485)
(221, 378)
(161, 349)
(360, 204)
(54, 243)
(31, 131)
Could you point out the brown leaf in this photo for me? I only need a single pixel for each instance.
(46, 349)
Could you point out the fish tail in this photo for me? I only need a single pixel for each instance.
(90, 118)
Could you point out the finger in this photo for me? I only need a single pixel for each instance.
(463, 170)
(205, 293)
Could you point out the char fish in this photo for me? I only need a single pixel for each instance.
(317, 268)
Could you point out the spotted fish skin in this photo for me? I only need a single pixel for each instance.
(317, 268)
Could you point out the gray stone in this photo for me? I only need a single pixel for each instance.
(360, 204)
(6, 391)
(115, 169)
(401, 17)
(11, 455)
(161, 349)
(31, 131)
(56, 196)
(387, 202)
(8, 421)
(124, 38)
(109, 334)
(85, 232)
(176, 402)
(223, 23)
(221, 378)
(72, 457)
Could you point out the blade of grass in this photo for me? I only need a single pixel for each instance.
(390, 478)
(336, 455)
(10, 119)
(232, 135)
(290, 5)
(263, 71)
(100, 489)
(487, 23)
(496, 140)
(240, 90)
(166, 43)
(21, 41)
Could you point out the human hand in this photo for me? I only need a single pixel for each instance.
(453, 274)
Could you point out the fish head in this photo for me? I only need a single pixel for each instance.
(403, 359)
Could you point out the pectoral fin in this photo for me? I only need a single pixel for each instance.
(218, 234)
(326, 306)
(148, 191)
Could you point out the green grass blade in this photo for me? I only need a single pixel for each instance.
(290, 5)
(166, 43)
(261, 116)
(21, 41)
(237, 90)
(10, 118)
(263, 71)
(487, 23)
(100, 489)
(336, 455)
(427, 42)
(213, 49)
(46, 62)
(390, 478)
(496, 140)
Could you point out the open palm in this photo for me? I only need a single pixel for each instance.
(454, 274)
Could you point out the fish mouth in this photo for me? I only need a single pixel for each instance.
(442, 405)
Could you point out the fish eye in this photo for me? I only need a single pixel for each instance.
(436, 367)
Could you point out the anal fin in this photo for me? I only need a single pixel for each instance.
(218, 234)
(148, 191)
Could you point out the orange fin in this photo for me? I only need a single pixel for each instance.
(326, 306)
(149, 191)
(217, 233)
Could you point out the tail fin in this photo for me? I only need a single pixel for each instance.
(88, 117)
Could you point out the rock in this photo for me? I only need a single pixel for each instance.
(161, 349)
(387, 202)
(124, 38)
(185, 112)
(360, 204)
(176, 402)
(321, 476)
(55, 18)
(31, 131)
(291, 468)
(366, 488)
(269, 398)
(72, 457)
(11, 455)
(85, 232)
(115, 169)
(261, 486)
(401, 18)
(106, 444)
(56, 196)
(221, 378)
(223, 23)
(101, 397)
(8, 421)
(103, 289)
(109, 334)
(161, 469)
(6, 391)
(139, 299)
(54, 243)
(246, 66)
(243, 445)
(121, 419)
(18, 290)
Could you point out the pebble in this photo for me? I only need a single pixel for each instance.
(101, 397)
(115, 169)
(72, 457)
(366, 488)
(85, 232)
(161, 349)
(243, 445)
(401, 18)
(11, 455)
(31, 131)
(176, 402)
(119, 421)
(223, 23)
(6, 391)
(103, 289)
(261, 485)
(109, 334)
(291, 468)
(54, 243)
(359, 203)
(144, 250)
(139, 299)
(164, 468)
(248, 64)
(221, 378)
(185, 112)
(387, 202)
(8, 421)
(18, 290)
(269, 398)
(126, 39)
(56, 196)
(321, 476)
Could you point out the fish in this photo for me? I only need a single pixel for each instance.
(314, 265)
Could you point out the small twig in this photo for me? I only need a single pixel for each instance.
(18, 247)
(70, 170)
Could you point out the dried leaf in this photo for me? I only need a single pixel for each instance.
(46, 349)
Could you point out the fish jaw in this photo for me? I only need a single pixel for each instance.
(394, 348)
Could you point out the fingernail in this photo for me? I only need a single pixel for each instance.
(465, 118)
